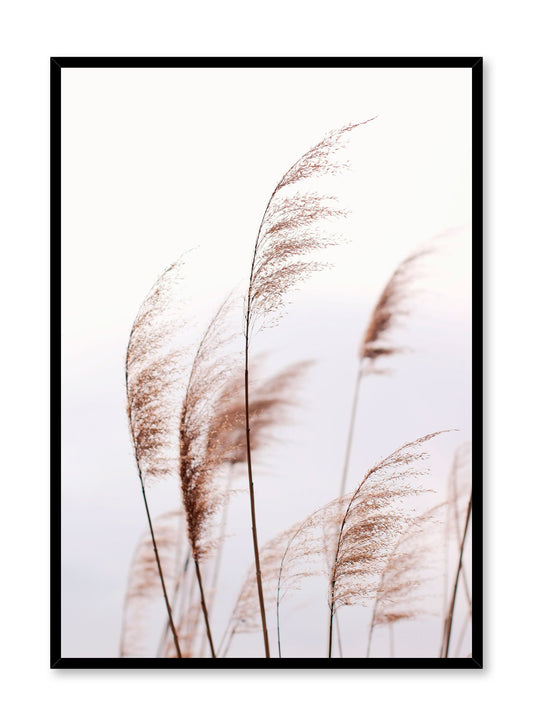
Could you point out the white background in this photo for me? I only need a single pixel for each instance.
(29, 38)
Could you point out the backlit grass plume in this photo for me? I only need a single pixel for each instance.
(204, 445)
(376, 342)
(288, 234)
(407, 587)
(143, 590)
(152, 376)
(350, 540)
(370, 525)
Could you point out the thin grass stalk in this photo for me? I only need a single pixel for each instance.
(148, 399)
(278, 595)
(185, 595)
(268, 284)
(193, 614)
(373, 620)
(339, 643)
(446, 578)
(382, 319)
(200, 455)
(177, 590)
(454, 499)
(449, 620)
(156, 552)
(333, 580)
(222, 533)
(268, 404)
(220, 649)
(349, 441)
(204, 607)
(279, 586)
(461, 635)
(248, 444)
(251, 484)
(458, 535)
(346, 465)
(143, 589)
(228, 644)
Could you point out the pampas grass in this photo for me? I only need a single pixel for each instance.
(204, 445)
(376, 343)
(370, 525)
(414, 564)
(350, 540)
(213, 434)
(152, 367)
(286, 237)
(369, 546)
(271, 400)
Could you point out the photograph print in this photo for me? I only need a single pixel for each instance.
(266, 311)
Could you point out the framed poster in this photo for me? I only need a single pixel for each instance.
(265, 273)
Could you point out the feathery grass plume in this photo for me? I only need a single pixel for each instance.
(143, 589)
(375, 343)
(350, 540)
(388, 311)
(300, 549)
(370, 525)
(152, 375)
(270, 403)
(212, 432)
(204, 448)
(152, 368)
(286, 236)
(406, 590)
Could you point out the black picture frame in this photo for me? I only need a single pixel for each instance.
(476, 66)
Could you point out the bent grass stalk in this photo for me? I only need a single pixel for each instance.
(156, 552)
(144, 581)
(285, 235)
(368, 536)
(150, 374)
(249, 467)
(449, 620)
(178, 589)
